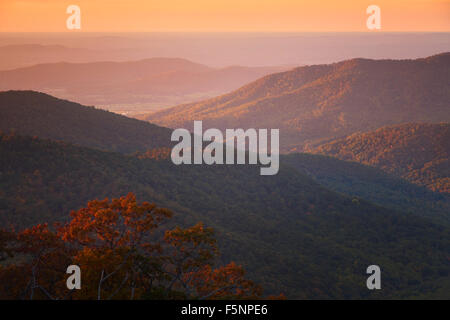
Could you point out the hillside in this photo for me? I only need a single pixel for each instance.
(419, 153)
(361, 181)
(291, 234)
(321, 102)
(131, 86)
(37, 114)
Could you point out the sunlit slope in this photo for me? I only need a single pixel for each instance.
(313, 104)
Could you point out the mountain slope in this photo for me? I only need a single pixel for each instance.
(316, 103)
(37, 114)
(361, 181)
(120, 85)
(419, 153)
(30, 113)
(291, 234)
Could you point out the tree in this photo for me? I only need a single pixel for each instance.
(5, 239)
(45, 257)
(227, 282)
(123, 254)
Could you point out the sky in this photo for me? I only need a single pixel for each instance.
(224, 15)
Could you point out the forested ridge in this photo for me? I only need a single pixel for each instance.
(318, 103)
(38, 114)
(290, 234)
(308, 232)
(373, 184)
(417, 152)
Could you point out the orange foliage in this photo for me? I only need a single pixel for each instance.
(121, 256)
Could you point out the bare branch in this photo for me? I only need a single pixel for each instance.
(218, 290)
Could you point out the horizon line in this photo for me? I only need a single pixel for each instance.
(229, 32)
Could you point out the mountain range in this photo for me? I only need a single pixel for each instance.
(21, 55)
(131, 86)
(315, 104)
(308, 231)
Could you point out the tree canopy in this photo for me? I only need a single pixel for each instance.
(125, 251)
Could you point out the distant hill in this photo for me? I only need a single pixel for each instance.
(314, 104)
(291, 234)
(419, 153)
(38, 114)
(136, 86)
(24, 55)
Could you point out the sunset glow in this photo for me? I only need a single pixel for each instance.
(223, 15)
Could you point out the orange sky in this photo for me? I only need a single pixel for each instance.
(224, 15)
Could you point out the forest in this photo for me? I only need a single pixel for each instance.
(417, 152)
(290, 234)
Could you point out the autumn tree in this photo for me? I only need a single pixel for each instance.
(44, 259)
(124, 253)
(5, 239)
